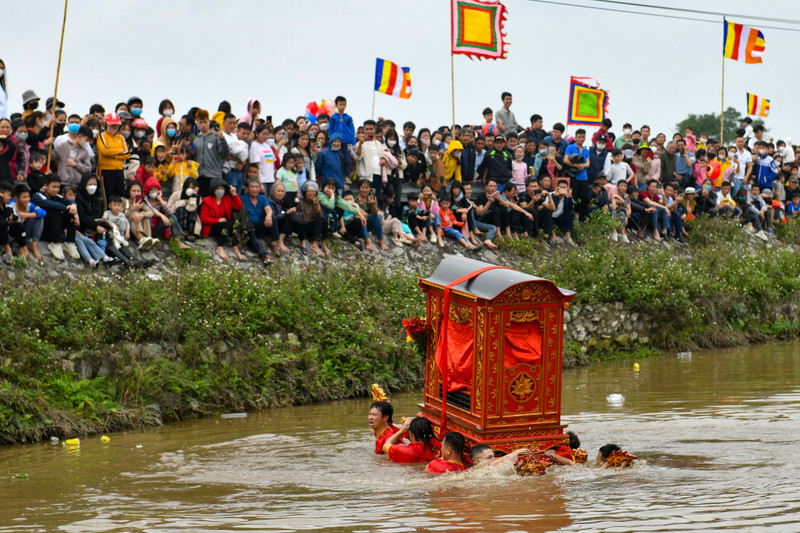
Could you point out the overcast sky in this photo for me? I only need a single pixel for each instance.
(286, 53)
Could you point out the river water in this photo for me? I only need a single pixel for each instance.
(716, 434)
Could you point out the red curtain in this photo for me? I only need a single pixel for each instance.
(523, 344)
(460, 349)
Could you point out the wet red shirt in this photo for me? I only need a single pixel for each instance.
(381, 440)
(440, 466)
(414, 452)
(564, 451)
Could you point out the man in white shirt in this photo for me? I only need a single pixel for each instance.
(505, 119)
(368, 157)
(238, 154)
(745, 167)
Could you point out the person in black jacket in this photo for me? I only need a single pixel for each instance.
(90, 206)
(496, 164)
(61, 218)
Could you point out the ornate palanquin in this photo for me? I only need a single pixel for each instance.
(504, 355)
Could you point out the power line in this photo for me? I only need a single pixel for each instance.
(699, 12)
(671, 17)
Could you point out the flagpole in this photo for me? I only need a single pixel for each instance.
(55, 92)
(373, 104)
(453, 87)
(722, 103)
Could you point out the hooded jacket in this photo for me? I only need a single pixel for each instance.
(210, 151)
(248, 117)
(329, 163)
(211, 211)
(452, 164)
(90, 206)
(83, 163)
(163, 139)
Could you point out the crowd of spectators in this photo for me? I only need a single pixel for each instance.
(106, 185)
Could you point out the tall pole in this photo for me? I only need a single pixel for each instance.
(722, 104)
(373, 104)
(453, 88)
(55, 92)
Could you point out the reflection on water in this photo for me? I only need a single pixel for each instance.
(716, 434)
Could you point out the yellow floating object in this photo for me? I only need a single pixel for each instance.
(377, 394)
(105, 438)
(635, 367)
(72, 442)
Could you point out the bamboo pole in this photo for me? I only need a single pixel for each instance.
(55, 92)
(722, 104)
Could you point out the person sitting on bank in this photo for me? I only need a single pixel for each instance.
(452, 448)
(380, 422)
(420, 446)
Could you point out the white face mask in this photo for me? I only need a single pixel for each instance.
(436, 142)
(627, 131)
(95, 132)
(2, 71)
(153, 195)
(703, 141)
(456, 153)
(219, 193)
(731, 154)
(335, 148)
(324, 126)
(190, 192)
(168, 112)
(391, 143)
(762, 152)
(138, 134)
(91, 189)
(601, 146)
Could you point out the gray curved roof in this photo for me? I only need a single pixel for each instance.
(487, 285)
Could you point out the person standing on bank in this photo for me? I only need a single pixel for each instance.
(210, 151)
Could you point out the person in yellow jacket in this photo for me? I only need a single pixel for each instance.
(452, 161)
(182, 168)
(112, 152)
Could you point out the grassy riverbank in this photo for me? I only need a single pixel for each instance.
(204, 339)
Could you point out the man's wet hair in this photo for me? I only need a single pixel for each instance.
(455, 441)
(478, 450)
(385, 408)
(606, 450)
(574, 441)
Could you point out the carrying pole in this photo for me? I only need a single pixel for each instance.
(722, 104)
(373, 104)
(55, 92)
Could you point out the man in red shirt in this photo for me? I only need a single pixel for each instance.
(380, 422)
(654, 197)
(452, 448)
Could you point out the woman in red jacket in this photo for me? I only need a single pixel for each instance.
(216, 215)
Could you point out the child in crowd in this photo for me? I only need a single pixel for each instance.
(418, 223)
(391, 225)
(620, 206)
(161, 168)
(287, 175)
(146, 170)
(436, 176)
(11, 226)
(427, 207)
(140, 216)
(519, 169)
(452, 448)
(182, 168)
(31, 216)
(117, 235)
(619, 169)
(353, 225)
(451, 226)
(342, 123)
(36, 177)
(793, 207)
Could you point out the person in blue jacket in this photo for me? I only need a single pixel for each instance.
(342, 123)
(330, 163)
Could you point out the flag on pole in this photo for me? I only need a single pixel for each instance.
(588, 103)
(477, 28)
(757, 105)
(742, 43)
(392, 79)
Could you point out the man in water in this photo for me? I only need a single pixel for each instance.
(380, 422)
(419, 449)
(482, 455)
(452, 448)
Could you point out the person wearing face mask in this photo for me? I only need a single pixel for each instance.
(168, 137)
(396, 175)
(452, 163)
(90, 206)
(329, 163)
(627, 137)
(216, 215)
(766, 169)
(73, 160)
(166, 109)
(186, 203)
(112, 152)
(139, 129)
(599, 158)
(135, 105)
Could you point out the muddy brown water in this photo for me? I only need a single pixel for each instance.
(716, 434)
